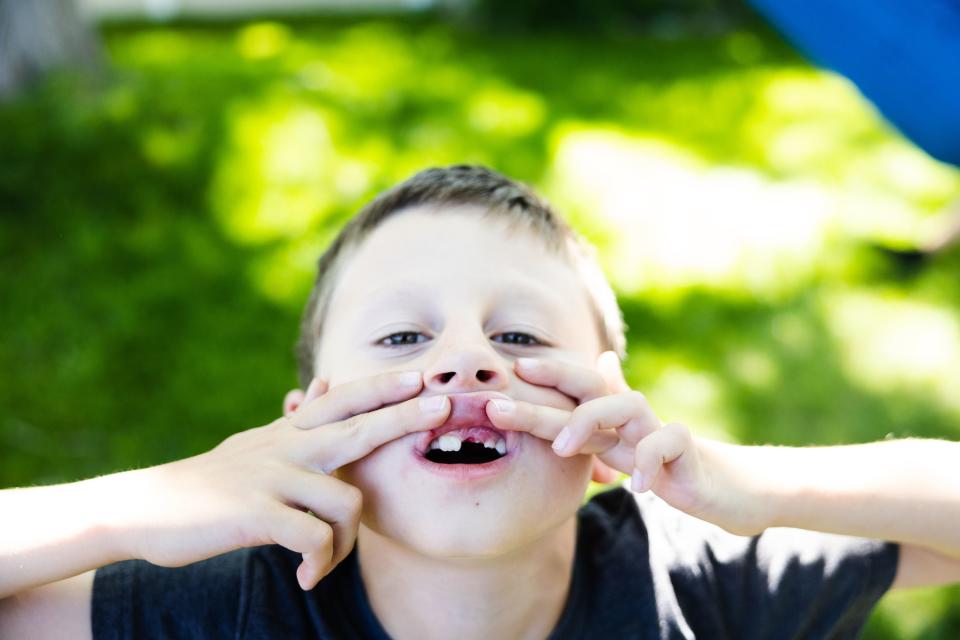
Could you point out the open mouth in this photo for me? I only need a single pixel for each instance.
(467, 437)
(474, 445)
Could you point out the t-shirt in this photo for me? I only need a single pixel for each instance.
(641, 570)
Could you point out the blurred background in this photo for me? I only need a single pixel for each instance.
(171, 170)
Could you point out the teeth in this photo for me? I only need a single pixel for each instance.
(449, 442)
(452, 442)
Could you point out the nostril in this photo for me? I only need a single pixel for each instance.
(482, 375)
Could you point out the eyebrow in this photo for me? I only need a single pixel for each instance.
(528, 298)
(390, 296)
(517, 295)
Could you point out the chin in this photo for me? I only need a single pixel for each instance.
(464, 514)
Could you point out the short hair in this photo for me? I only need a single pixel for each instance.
(499, 197)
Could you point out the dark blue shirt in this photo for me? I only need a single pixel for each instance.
(640, 571)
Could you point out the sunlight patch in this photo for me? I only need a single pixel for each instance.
(694, 398)
(262, 40)
(504, 111)
(274, 181)
(890, 343)
(670, 221)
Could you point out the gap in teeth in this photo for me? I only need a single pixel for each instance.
(453, 442)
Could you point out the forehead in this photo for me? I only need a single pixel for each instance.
(461, 255)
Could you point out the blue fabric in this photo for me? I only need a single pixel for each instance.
(642, 570)
(903, 55)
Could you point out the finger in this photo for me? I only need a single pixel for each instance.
(358, 396)
(333, 501)
(301, 532)
(540, 421)
(609, 366)
(316, 389)
(643, 422)
(661, 447)
(602, 473)
(621, 456)
(312, 570)
(611, 370)
(353, 438)
(625, 412)
(580, 383)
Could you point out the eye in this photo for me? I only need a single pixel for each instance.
(402, 339)
(517, 338)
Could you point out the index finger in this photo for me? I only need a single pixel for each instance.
(543, 422)
(360, 435)
(358, 396)
(580, 383)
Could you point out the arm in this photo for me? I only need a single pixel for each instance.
(905, 491)
(57, 610)
(269, 485)
(57, 532)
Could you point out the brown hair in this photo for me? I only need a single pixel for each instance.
(460, 185)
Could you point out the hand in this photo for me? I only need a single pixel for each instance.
(618, 425)
(256, 487)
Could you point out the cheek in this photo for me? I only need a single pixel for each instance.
(383, 479)
(559, 477)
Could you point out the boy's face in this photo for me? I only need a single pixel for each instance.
(459, 297)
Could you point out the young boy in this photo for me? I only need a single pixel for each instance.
(461, 346)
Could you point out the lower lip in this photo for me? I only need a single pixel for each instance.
(467, 472)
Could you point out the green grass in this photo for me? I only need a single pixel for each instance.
(158, 228)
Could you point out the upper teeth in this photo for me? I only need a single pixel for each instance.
(447, 443)
(452, 442)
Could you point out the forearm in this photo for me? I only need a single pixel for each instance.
(52, 533)
(905, 490)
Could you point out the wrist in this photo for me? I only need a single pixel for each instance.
(748, 482)
(774, 483)
(115, 501)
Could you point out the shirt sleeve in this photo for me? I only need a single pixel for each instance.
(136, 599)
(783, 583)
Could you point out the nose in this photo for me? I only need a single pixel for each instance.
(466, 367)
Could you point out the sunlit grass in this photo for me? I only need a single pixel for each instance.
(892, 342)
(160, 232)
(674, 221)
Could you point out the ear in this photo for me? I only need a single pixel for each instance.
(611, 369)
(296, 398)
(292, 401)
(602, 473)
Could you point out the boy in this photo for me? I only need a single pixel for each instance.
(427, 483)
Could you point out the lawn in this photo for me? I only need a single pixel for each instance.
(159, 226)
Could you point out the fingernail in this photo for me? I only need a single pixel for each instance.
(529, 364)
(636, 481)
(410, 379)
(560, 444)
(432, 404)
(503, 406)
